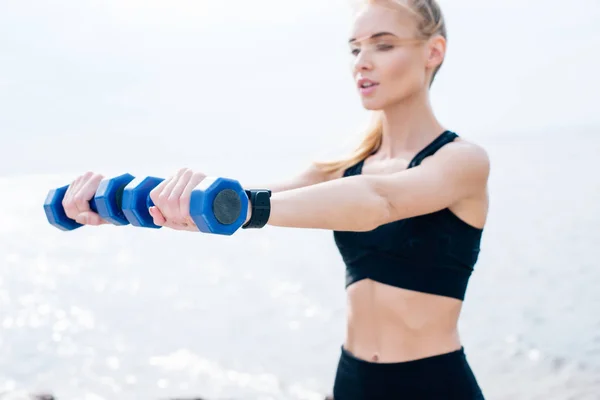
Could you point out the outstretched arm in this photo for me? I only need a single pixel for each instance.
(172, 196)
(364, 202)
(356, 203)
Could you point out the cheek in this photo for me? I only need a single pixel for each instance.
(403, 71)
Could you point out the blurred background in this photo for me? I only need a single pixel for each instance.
(255, 90)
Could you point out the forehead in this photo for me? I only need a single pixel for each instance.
(373, 18)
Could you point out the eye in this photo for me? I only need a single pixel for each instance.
(384, 47)
(354, 51)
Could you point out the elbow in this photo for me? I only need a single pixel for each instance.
(384, 213)
(381, 210)
(379, 213)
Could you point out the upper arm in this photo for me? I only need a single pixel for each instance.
(457, 171)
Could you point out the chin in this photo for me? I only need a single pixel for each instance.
(372, 105)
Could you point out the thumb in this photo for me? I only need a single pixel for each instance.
(157, 216)
(90, 218)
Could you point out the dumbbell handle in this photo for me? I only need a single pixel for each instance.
(93, 205)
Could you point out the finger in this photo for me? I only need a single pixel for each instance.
(155, 193)
(86, 191)
(74, 200)
(157, 216)
(165, 200)
(81, 179)
(184, 201)
(68, 202)
(73, 187)
(161, 193)
(173, 202)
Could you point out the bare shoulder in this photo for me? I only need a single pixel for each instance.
(464, 149)
(461, 167)
(464, 156)
(471, 165)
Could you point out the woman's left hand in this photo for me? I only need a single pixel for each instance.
(171, 200)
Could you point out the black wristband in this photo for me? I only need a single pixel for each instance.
(260, 201)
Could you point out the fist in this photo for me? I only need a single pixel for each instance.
(77, 199)
(171, 200)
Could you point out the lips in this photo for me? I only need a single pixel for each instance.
(365, 83)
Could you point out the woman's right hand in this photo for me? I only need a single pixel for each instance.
(77, 199)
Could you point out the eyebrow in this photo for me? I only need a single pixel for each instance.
(376, 35)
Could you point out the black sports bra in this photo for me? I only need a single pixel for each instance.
(433, 253)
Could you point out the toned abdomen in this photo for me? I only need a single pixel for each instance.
(389, 324)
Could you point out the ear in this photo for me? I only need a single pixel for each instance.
(436, 51)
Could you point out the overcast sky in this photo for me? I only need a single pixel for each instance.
(144, 68)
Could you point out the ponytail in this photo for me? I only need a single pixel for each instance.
(370, 143)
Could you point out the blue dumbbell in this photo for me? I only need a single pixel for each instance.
(109, 198)
(106, 202)
(217, 205)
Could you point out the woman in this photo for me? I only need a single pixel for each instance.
(407, 211)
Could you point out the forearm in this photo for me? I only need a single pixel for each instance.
(349, 204)
(276, 187)
(308, 177)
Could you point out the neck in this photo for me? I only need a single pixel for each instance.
(409, 126)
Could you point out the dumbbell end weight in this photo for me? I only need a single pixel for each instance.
(218, 206)
(55, 213)
(109, 196)
(136, 201)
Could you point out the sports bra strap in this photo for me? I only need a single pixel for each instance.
(434, 146)
(354, 169)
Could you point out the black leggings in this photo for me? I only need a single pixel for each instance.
(442, 377)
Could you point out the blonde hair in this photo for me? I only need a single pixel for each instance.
(430, 23)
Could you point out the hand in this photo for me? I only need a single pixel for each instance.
(171, 200)
(77, 198)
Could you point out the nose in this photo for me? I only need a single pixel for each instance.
(362, 62)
